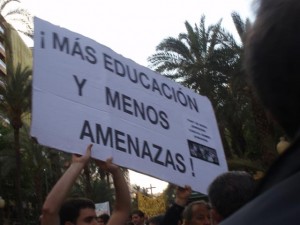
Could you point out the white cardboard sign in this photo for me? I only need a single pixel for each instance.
(83, 92)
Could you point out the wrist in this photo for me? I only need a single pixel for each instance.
(77, 165)
(115, 171)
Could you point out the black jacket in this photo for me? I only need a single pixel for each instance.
(277, 199)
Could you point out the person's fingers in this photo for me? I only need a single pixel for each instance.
(109, 160)
(88, 150)
(188, 187)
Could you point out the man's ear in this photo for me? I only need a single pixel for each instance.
(215, 216)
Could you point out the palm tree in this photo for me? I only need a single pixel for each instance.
(18, 17)
(241, 26)
(188, 58)
(201, 59)
(15, 93)
(34, 174)
(265, 128)
(99, 190)
(7, 160)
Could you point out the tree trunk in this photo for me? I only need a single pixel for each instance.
(88, 186)
(18, 176)
(227, 151)
(238, 141)
(39, 188)
(265, 131)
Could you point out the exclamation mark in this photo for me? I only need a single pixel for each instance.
(192, 166)
(43, 40)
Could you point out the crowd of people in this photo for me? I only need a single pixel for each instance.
(272, 57)
(233, 185)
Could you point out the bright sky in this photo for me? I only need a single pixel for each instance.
(134, 28)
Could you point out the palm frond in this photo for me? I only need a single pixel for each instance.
(4, 3)
(17, 16)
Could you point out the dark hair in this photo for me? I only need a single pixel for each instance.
(71, 208)
(188, 210)
(138, 212)
(105, 217)
(156, 219)
(272, 60)
(230, 191)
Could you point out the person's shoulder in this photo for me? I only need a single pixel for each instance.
(278, 205)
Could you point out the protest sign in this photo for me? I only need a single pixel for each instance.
(102, 208)
(83, 92)
(151, 205)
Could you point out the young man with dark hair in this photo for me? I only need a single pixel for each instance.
(71, 210)
(228, 192)
(59, 211)
(272, 54)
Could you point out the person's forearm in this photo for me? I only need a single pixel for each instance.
(122, 191)
(58, 194)
(61, 189)
(122, 206)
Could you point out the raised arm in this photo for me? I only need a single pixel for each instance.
(122, 206)
(182, 195)
(58, 194)
(173, 214)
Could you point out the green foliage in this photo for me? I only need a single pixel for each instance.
(169, 194)
(6, 157)
(210, 61)
(101, 191)
(15, 92)
(19, 17)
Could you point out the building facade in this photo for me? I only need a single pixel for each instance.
(12, 48)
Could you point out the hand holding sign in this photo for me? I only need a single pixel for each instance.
(107, 166)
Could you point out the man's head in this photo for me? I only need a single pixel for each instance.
(272, 60)
(138, 217)
(196, 213)
(78, 211)
(229, 192)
